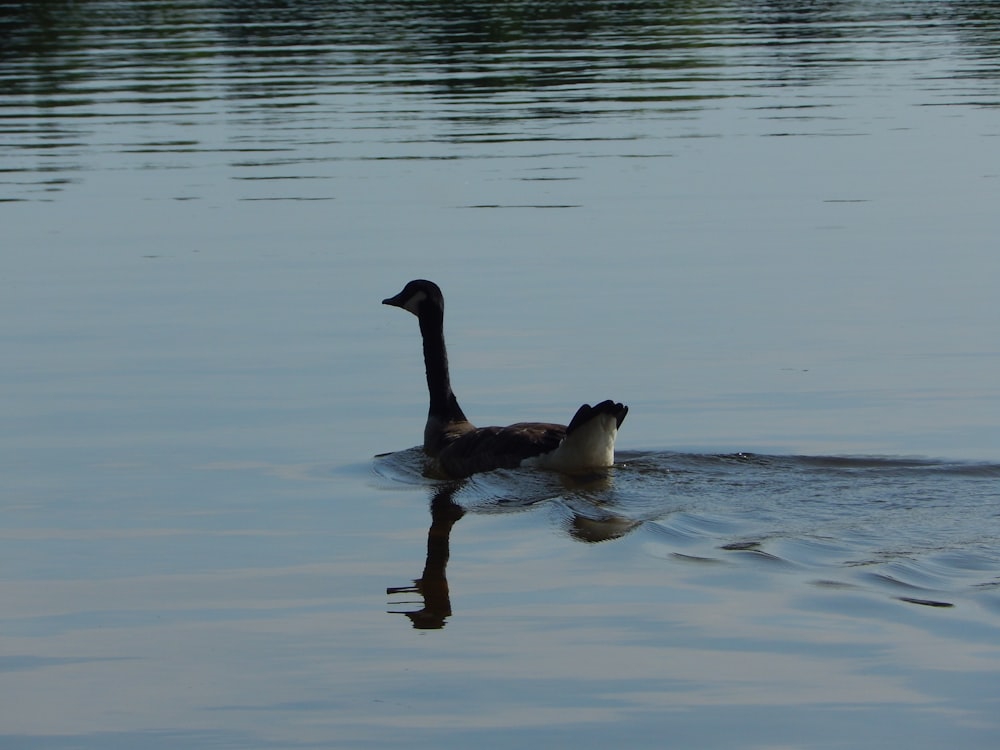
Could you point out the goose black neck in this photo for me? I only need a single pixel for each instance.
(443, 405)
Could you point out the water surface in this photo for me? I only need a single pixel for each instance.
(770, 228)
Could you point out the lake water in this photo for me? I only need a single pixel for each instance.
(770, 228)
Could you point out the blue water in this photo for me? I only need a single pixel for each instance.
(768, 228)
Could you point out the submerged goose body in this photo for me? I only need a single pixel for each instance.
(459, 449)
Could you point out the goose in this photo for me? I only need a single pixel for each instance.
(458, 449)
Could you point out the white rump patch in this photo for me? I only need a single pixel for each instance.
(590, 446)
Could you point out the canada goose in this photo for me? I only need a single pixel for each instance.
(459, 449)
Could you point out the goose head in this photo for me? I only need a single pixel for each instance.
(418, 296)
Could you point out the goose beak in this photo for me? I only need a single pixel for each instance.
(409, 299)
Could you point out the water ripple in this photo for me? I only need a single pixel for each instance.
(478, 73)
(895, 524)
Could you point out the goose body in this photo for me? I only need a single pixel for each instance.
(459, 449)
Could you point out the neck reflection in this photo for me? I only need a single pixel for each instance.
(432, 586)
(585, 515)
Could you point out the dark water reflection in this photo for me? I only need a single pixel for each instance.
(478, 46)
(316, 74)
(432, 586)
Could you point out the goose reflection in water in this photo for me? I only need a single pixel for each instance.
(586, 522)
(432, 585)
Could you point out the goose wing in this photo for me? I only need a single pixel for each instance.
(489, 448)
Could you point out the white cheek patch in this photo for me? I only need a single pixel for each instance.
(413, 303)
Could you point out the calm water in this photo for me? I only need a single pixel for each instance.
(768, 227)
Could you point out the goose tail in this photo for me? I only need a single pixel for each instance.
(590, 439)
